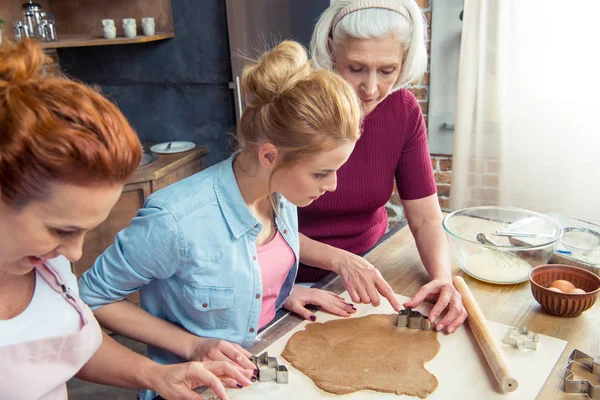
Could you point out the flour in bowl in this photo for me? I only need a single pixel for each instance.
(497, 267)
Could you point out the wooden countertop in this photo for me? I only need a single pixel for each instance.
(166, 163)
(398, 260)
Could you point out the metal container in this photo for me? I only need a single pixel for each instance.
(36, 23)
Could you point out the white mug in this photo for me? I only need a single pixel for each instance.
(148, 26)
(110, 32)
(108, 29)
(129, 27)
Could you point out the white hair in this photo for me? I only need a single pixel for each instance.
(372, 23)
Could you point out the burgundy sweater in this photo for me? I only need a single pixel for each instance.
(393, 145)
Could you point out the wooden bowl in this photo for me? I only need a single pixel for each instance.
(564, 304)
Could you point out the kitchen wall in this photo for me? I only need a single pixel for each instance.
(441, 163)
(175, 89)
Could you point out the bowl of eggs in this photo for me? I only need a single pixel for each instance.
(564, 290)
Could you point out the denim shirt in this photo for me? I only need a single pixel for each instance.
(191, 252)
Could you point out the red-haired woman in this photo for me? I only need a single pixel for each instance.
(65, 153)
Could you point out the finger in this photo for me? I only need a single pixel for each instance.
(225, 370)
(352, 292)
(451, 314)
(335, 307)
(217, 355)
(419, 296)
(458, 321)
(199, 376)
(460, 318)
(232, 383)
(346, 306)
(238, 355)
(304, 312)
(362, 294)
(245, 372)
(386, 291)
(349, 308)
(439, 307)
(338, 296)
(373, 294)
(242, 350)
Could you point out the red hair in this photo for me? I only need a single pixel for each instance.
(53, 129)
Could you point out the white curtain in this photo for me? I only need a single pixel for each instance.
(528, 107)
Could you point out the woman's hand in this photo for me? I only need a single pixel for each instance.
(363, 281)
(207, 349)
(448, 301)
(328, 301)
(177, 381)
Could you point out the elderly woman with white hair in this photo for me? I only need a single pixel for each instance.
(379, 47)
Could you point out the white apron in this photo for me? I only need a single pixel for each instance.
(39, 369)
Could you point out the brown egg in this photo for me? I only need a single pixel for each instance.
(563, 285)
(577, 291)
(555, 289)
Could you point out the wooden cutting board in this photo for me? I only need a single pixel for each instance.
(460, 368)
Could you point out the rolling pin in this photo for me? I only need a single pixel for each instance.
(484, 338)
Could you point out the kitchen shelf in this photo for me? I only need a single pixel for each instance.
(78, 22)
(75, 40)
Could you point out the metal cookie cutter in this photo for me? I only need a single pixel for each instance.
(413, 320)
(269, 369)
(522, 338)
(582, 386)
(206, 392)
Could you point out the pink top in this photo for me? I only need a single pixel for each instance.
(393, 145)
(275, 258)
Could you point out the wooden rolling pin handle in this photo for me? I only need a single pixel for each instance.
(484, 338)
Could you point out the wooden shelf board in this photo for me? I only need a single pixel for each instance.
(74, 40)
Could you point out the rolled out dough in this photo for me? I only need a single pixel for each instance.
(347, 355)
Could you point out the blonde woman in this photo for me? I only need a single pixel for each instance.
(378, 46)
(65, 154)
(217, 253)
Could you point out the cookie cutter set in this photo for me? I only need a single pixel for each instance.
(413, 320)
(522, 338)
(582, 386)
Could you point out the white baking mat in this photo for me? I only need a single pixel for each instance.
(460, 368)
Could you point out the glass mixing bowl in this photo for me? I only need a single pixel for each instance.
(511, 242)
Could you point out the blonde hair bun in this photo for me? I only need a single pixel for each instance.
(20, 63)
(274, 73)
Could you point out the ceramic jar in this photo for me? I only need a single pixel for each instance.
(148, 26)
(129, 27)
(109, 29)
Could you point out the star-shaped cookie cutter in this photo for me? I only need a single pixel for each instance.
(522, 338)
(413, 320)
(582, 386)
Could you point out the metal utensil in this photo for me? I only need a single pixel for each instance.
(522, 234)
(504, 259)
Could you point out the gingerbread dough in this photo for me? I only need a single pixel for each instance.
(347, 355)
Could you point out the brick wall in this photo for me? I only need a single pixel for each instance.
(483, 183)
(442, 170)
(441, 163)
